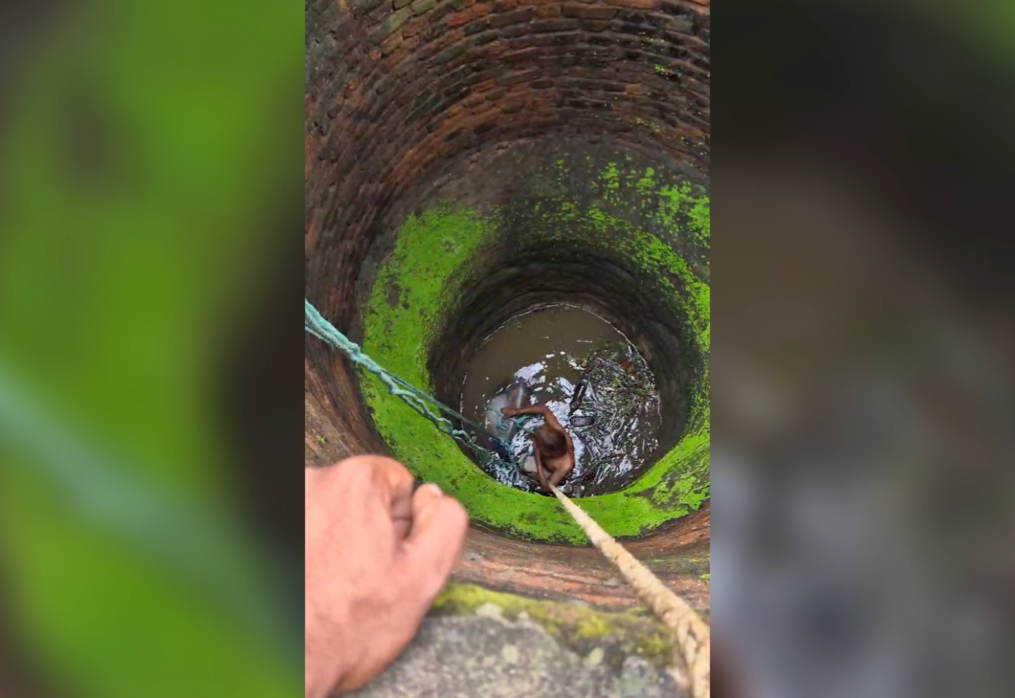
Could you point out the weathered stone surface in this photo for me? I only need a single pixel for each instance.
(483, 656)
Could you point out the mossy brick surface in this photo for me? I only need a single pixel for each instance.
(418, 284)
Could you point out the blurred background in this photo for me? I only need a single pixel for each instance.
(864, 335)
(150, 174)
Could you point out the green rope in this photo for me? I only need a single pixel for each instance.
(424, 405)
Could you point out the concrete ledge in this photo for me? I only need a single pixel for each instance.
(509, 646)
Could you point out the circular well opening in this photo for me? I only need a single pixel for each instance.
(593, 379)
(615, 235)
(404, 104)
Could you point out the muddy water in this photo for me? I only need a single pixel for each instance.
(585, 371)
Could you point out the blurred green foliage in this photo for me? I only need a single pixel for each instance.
(143, 152)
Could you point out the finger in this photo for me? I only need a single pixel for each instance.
(435, 542)
(376, 491)
(376, 475)
(395, 483)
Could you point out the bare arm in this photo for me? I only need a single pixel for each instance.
(531, 409)
(558, 476)
(562, 472)
(539, 469)
(540, 410)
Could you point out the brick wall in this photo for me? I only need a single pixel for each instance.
(397, 89)
(394, 87)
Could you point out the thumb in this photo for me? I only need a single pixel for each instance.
(435, 542)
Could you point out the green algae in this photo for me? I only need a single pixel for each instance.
(647, 183)
(611, 177)
(434, 255)
(577, 627)
(681, 200)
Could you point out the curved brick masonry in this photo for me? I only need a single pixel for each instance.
(403, 98)
(393, 90)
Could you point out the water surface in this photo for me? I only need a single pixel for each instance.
(584, 370)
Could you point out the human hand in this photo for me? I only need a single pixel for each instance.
(377, 554)
(509, 411)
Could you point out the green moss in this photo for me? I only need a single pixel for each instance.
(433, 256)
(647, 184)
(680, 207)
(610, 178)
(598, 218)
(409, 292)
(577, 627)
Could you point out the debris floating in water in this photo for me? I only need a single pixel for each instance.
(593, 380)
